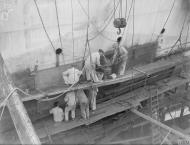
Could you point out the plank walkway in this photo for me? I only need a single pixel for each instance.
(46, 127)
(149, 69)
(121, 103)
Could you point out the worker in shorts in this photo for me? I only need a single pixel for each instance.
(92, 96)
(84, 103)
(71, 101)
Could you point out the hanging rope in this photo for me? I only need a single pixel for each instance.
(88, 44)
(103, 29)
(179, 38)
(72, 29)
(58, 25)
(133, 21)
(3, 104)
(44, 25)
(163, 28)
(114, 8)
(125, 8)
(187, 35)
(108, 19)
(120, 12)
(155, 22)
(169, 14)
(127, 17)
(68, 89)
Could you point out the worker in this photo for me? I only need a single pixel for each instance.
(71, 77)
(57, 112)
(84, 103)
(161, 44)
(92, 96)
(121, 55)
(71, 101)
(90, 65)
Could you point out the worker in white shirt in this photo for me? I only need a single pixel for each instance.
(90, 65)
(71, 101)
(71, 76)
(57, 112)
(120, 54)
(92, 96)
(84, 103)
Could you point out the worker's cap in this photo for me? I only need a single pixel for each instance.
(119, 39)
(56, 103)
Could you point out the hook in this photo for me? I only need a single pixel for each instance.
(119, 31)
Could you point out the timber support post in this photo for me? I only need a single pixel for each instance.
(21, 120)
(178, 133)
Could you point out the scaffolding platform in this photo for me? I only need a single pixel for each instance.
(46, 127)
(149, 69)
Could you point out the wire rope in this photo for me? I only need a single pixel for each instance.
(43, 25)
(58, 24)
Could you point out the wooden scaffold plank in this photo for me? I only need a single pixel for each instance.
(16, 108)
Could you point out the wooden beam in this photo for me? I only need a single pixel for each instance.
(128, 141)
(184, 136)
(16, 108)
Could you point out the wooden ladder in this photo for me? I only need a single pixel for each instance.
(156, 134)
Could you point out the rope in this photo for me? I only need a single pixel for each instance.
(38, 10)
(133, 21)
(125, 8)
(114, 8)
(56, 97)
(72, 29)
(120, 12)
(3, 104)
(127, 17)
(187, 35)
(169, 14)
(57, 16)
(87, 36)
(100, 32)
(86, 43)
(179, 38)
(109, 18)
(155, 22)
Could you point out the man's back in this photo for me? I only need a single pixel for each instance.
(123, 52)
(57, 114)
(81, 96)
(71, 76)
(94, 59)
(70, 98)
